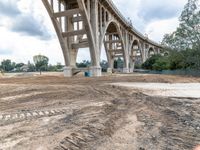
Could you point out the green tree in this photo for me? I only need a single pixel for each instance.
(52, 68)
(150, 62)
(59, 66)
(31, 67)
(84, 64)
(7, 65)
(104, 65)
(161, 63)
(175, 60)
(18, 66)
(41, 63)
(187, 35)
(189, 20)
(118, 63)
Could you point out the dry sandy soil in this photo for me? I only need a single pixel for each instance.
(53, 112)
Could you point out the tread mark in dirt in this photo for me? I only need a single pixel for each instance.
(87, 135)
(21, 116)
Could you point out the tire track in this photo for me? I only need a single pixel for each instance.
(97, 126)
(27, 115)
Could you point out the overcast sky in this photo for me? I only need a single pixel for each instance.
(26, 29)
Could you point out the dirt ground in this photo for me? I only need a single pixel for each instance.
(52, 112)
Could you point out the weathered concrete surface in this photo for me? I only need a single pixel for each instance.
(190, 90)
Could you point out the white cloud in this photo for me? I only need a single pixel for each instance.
(157, 29)
(23, 48)
(156, 10)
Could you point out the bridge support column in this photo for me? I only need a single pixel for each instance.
(132, 66)
(95, 71)
(126, 64)
(73, 57)
(126, 53)
(131, 69)
(110, 63)
(142, 47)
(67, 71)
(125, 70)
(109, 70)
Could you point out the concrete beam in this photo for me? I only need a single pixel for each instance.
(80, 45)
(73, 33)
(66, 13)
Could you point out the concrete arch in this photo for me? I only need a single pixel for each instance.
(166, 53)
(151, 52)
(136, 54)
(137, 43)
(105, 30)
(112, 27)
(134, 43)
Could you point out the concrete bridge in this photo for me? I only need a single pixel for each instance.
(93, 24)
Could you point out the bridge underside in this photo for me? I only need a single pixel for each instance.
(91, 24)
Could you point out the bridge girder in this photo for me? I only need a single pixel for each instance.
(93, 23)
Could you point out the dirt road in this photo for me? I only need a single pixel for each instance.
(52, 112)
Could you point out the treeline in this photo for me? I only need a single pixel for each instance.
(41, 63)
(183, 45)
(11, 66)
(175, 60)
(86, 63)
(118, 63)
